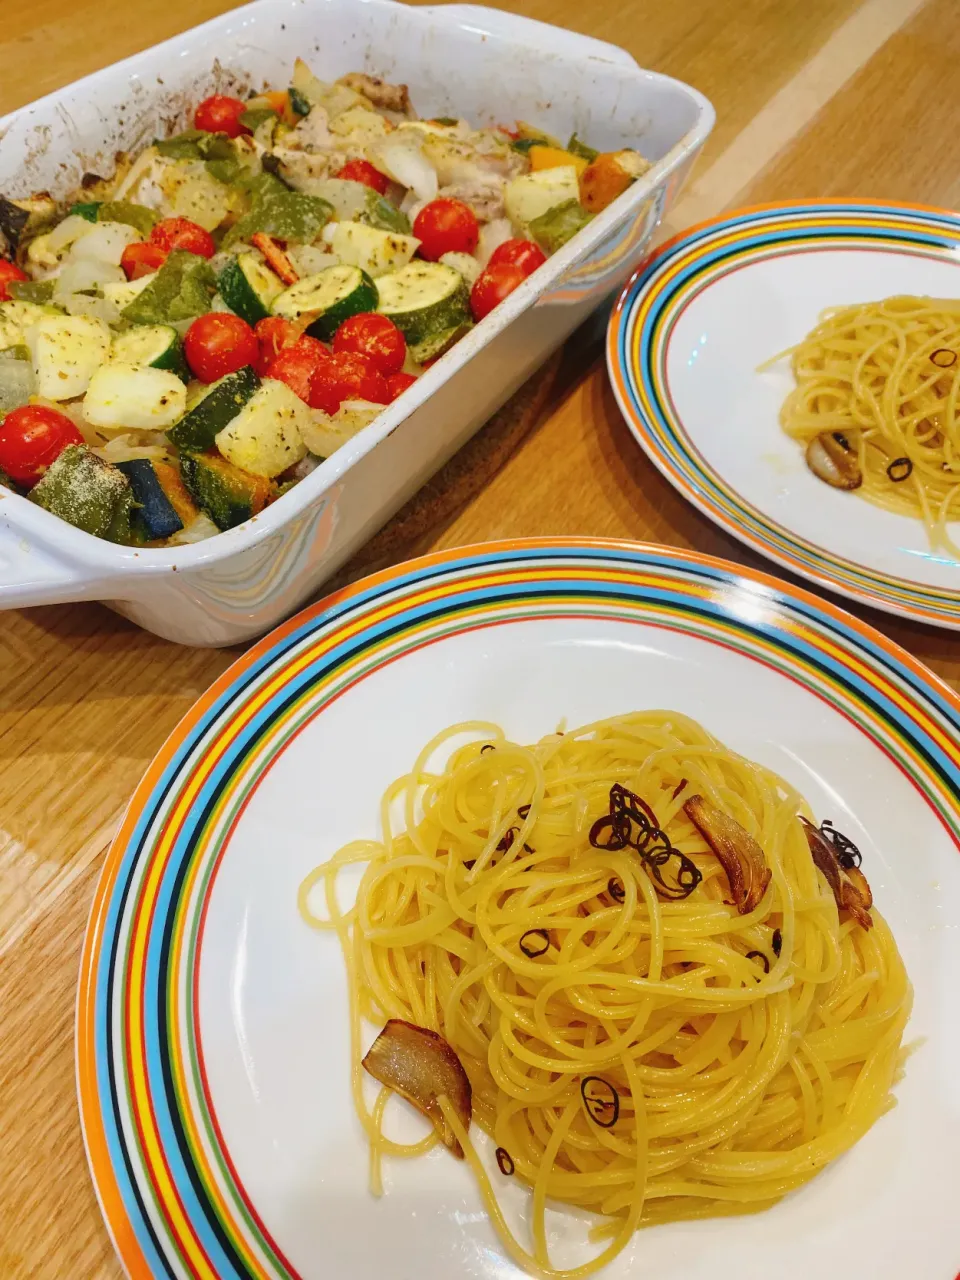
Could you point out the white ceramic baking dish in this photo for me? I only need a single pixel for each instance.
(458, 59)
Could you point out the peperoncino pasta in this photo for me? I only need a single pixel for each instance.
(878, 385)
(670, 1043)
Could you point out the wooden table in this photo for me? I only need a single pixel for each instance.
(813, 98)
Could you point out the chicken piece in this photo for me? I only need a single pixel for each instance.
(312, 133)
(474, 167)
(357, 127)
(485, 199)
(314, 150)
(384, 96)
(477, 157)
(302, 169)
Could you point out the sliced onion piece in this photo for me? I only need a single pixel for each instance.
(104, 243)
(308, 259)
(400, 156)
(84, 275)
(492, 236)
(326, 433)
(739, 854)
(85, 304)
(67, 232)
(349, 199)
(421, 1066)
(201, 529)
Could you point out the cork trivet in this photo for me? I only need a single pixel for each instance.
(457, 482)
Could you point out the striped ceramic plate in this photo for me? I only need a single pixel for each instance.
(213, 1039)
(684, 344)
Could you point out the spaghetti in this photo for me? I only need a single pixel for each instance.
(882, 379)
(654, 1051)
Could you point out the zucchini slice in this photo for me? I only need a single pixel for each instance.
(424, 299)
(374, 251)
(532, 194)
(438, 343)
(198, 429)
(265, 438)
(123, 292)
(16, 317)
(66, 351)
(228, 495)
(328, 297)
(17, 383)
(154, 346)
(24, 313)
(155, 512)
(125, 395)
(249, 288)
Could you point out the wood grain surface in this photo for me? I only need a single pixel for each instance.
(814, 97)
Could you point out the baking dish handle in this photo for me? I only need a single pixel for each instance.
(512, 26)
(31, 575)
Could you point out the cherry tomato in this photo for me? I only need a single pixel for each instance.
(363, 171)
(217, 344)
(142, 259)
(181, 233)
(446, 226)
(371, 334)
(493, 285)
(397, 383)
(31, 438)
(273, 335)
(9, 271)
(221, 114)
(347, 376)
(296, 365)
(518, 253)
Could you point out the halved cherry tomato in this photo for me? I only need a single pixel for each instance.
(370, 334)
(297, 364)
(31, 438)
(347, 376)
(397, 383)
(518, 253)
(217, 344)
(273, 335)
(363, 171)
(9, 271)
(141, 259)
(181, 233)
(493, 285)
(221, 114)
(446, 226)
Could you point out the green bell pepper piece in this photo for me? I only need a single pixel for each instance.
(554, 228)
(182, 288)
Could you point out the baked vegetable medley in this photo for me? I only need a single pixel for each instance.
(187, 339)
